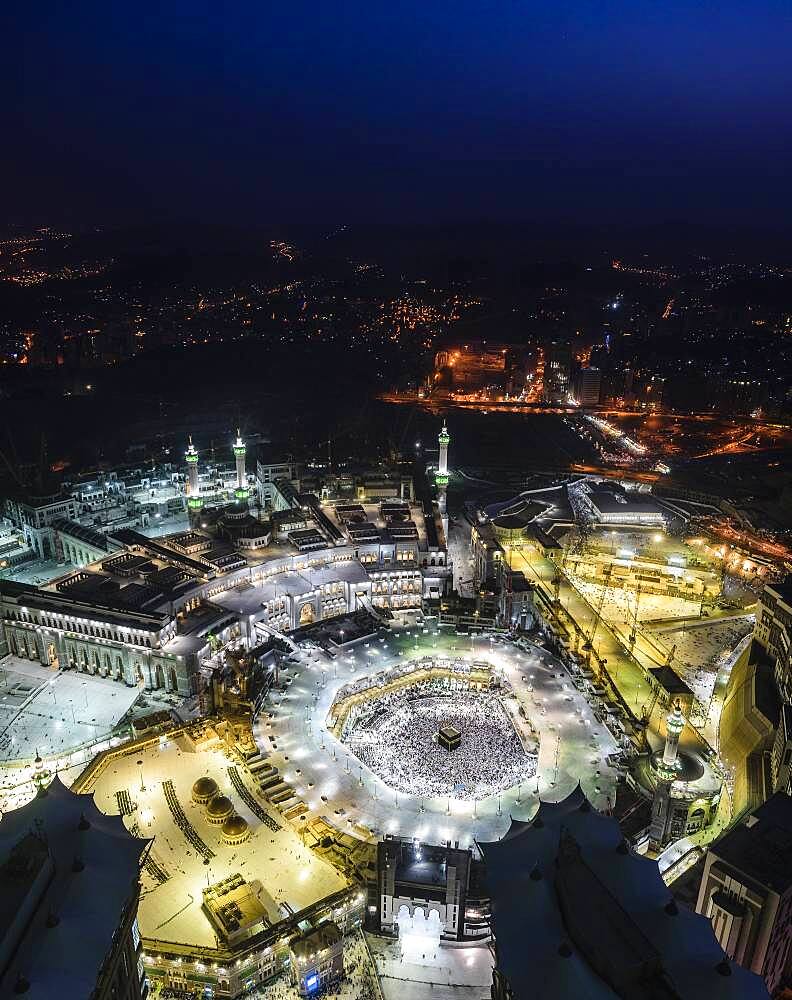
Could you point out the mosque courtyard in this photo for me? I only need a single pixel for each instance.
(153, 788)
(398, 792)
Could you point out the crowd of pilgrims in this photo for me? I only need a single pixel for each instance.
(359, 982)
(395, 735)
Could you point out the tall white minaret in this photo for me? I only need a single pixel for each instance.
(443, 437)
(441, 476)
(194, 502)
(675, 723)
(668, 768)
(241, 491)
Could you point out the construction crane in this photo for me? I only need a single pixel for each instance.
(634, 629)
(646, 711)
(560, 570)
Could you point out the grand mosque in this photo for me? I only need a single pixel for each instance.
(248, 702)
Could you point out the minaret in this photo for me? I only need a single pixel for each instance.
(675, 723)
(441, 476)
(443, 437)
(194, 502)
(667, 770)
(241, 491)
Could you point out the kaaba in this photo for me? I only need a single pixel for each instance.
(449, 737)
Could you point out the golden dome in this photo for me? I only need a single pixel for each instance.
(204, 788)
(220, 806)
(235, 826)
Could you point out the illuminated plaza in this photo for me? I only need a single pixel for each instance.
(190, 851)
(333, 781)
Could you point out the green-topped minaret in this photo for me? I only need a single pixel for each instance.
(241, 491)
(194, 501)
(441, 476)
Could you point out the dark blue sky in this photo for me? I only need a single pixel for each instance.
(387, 111)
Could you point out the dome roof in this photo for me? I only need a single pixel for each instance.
(205, 788)
(235, 826)
(220, 806)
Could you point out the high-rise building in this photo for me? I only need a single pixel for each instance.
(746, 891)
(773, 632)
(557, 371)
(587, 385)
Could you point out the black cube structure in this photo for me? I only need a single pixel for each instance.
(449, 737)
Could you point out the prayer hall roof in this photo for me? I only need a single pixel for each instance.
(77, 869)
(576, 910)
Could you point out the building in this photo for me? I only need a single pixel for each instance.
(423, 876)
(143, 610)
(80, 544)
(746, 892)
(317, 958)
(34, 514)
(69, 888)
(441, 475)
(773, 632)
(749, 726)
(587, 386)
(781, 754)
(755, 724)
(557, 372)
(254, 895)
(576, 912)
(609, 503)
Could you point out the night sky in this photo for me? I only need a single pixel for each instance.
(428, 111)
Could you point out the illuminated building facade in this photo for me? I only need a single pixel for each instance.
(557, 372)
(416, 875)
(587, 386)
(610, 504)
(746, 892)
(441, 476)
(774, 632)
(317, 958)
(35, 515)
